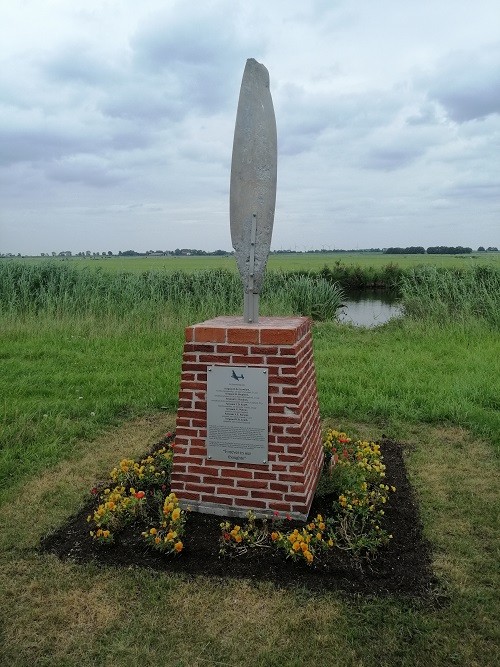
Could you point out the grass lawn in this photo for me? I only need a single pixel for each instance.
(81, 393)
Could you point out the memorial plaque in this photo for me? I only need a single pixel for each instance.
(237, 414)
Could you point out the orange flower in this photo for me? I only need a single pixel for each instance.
(139, 494)
(178, 546)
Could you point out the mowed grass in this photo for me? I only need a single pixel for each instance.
(81, 392)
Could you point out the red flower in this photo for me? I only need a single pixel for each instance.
(168, 435)
(288, 517)
(94, 491)
(226, 536)
(276, 513)
(139, 494)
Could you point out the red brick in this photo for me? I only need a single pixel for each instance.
(278, 336)
(191, 366)
(282, 419)
(295, 450)
(230, 491)
(277, 486)
(201, 488)
(188, 495)
(268, 495)
(185, 431)
(261, 349)
(209, 479)
(197, 451)
(243, 335)
(286, 400)
(295, 496)
(231, 349)
(237, 474)
(192, 460)
(287, 477)
(247, 360)
(198, 347)
(282, 362)
(180, 477)
(287, 351)
(209, 334)
(204, 470)
(253, 484)
(188, 384)
(215, 358)
(190, 413)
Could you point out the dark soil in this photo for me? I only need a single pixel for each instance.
(401, 568)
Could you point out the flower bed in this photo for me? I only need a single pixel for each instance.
(353, 540)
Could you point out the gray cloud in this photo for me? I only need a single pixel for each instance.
(467, 84)
(116, 122)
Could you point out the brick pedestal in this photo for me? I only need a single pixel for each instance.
(288, 480)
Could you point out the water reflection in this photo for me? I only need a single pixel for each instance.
(369, 308)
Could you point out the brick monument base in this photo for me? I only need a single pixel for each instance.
(287, 481)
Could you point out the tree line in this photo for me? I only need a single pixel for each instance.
(436, 250)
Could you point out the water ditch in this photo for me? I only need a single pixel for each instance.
(369, 308)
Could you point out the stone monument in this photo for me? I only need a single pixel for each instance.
(248, 430)
(253, 183)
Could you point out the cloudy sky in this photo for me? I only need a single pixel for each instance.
(117, 121)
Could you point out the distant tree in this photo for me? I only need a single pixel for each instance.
(481, 249)
(110, 254)
(492, 249)
(411, 250)
(448, 250)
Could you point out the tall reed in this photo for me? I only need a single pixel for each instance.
(452, 294)
(62, 289)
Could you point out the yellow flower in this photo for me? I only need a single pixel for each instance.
(157, 540)
(238, 538)
(274, 536)
(296, 546)
(176, 514)
(153, 531)
(178, 546)
(170, 535)
(308, 555)
(319, 536)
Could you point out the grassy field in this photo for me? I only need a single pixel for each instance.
(80, 391)
(282, 262)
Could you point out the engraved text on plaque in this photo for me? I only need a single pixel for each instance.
(237, 414)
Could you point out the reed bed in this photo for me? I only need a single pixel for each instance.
(452, 294)
(57, 289)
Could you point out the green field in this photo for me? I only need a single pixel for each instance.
(282, 262)
(83, 388)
